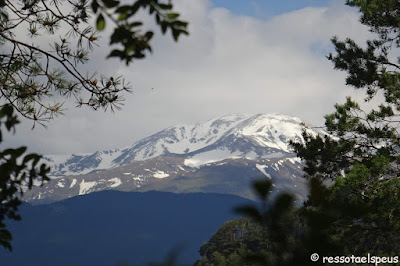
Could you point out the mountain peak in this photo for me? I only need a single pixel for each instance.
(228, 136)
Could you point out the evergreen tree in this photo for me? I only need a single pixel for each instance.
(31, 75)
(360, 209)
(353, 207)
(266, 237)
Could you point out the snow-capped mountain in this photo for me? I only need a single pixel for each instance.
(222, 155)
(169, 173)
(234, 136)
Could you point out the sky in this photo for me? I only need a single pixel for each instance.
(241, 57)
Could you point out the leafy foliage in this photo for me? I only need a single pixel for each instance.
(358, 213)
(32, 76)
(353, 205)
(237, 237)
(17, 172)
(360, 156)
(269, 235)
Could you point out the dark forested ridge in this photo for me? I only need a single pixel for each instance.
(112, 227)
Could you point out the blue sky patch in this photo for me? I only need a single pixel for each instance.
(264, 9)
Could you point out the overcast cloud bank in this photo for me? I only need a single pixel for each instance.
(229, 64)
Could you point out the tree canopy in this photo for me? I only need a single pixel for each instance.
(35, 75)
(353, 207)
(266, 237)
(32, 74)
(361, 153)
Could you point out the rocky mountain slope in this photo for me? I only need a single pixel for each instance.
(222, 155)
(258, 136)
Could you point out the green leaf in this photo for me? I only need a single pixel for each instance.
(123, 9)
(123, 16)
(100, 22)
(151, 10)
(175, 34)
(110, 3)
(34, 157)
(135, 7)
(164, 26)
(6, 110)
(130, 49)
(135, 24)
(149, 35)
(15, 153)
(172, 15)
(95, 6)
(165, 6)
(116, 53)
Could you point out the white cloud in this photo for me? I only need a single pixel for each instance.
(228, 64)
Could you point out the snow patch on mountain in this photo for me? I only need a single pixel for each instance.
(73, 183)
(115, 182)
(80, 164)
(233, 136)
(61, 183)
(294, 160)
(84, 187)
(272, 130)
(210, 157)
(213, 156)
(262, 170)
(160, 174)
